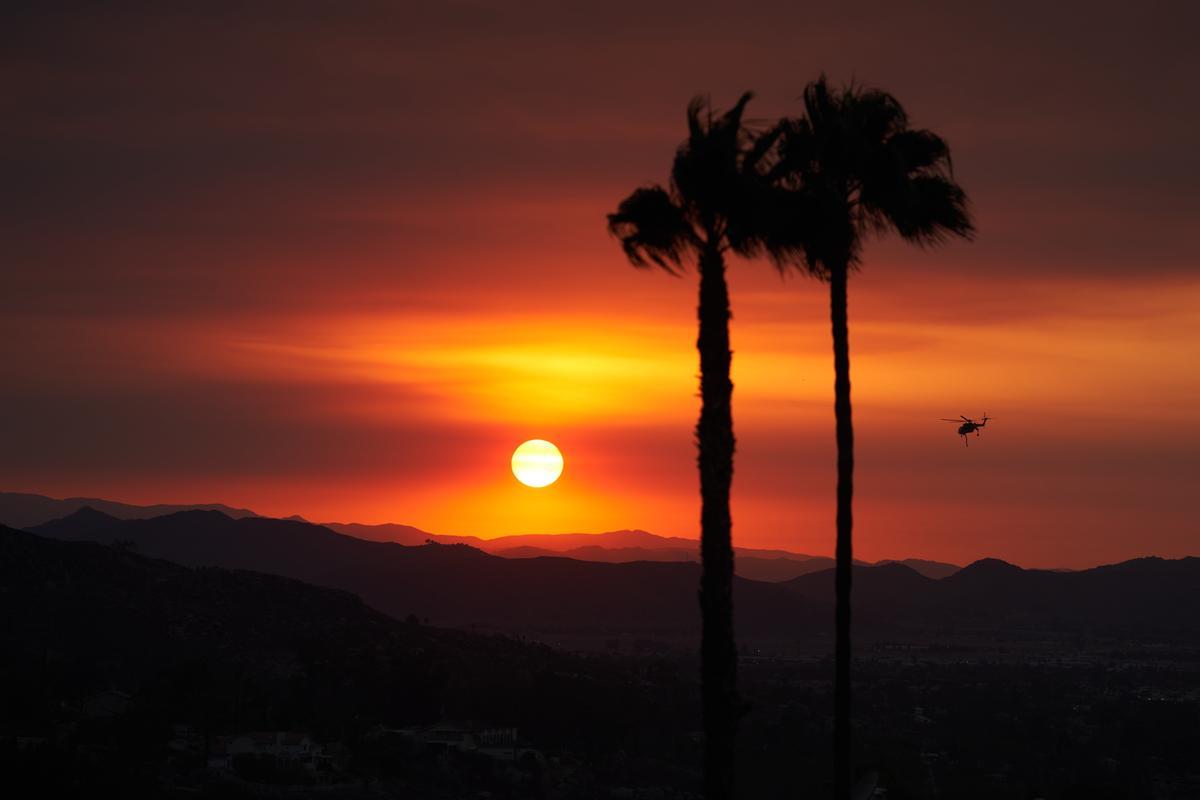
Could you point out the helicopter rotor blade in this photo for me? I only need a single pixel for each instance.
(955, 421)
(968, 419)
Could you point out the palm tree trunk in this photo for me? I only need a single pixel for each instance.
(715, 443)
(842, 754)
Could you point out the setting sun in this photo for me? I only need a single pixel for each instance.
(537, 463)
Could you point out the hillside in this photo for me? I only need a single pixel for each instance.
(86, 617)
(452, 585)
(461, 586)
(1145, 597)
(109, 654)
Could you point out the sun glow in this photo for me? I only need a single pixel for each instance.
(537, 463)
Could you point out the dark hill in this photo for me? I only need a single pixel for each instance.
(1146, 597)
(80, 617)
(109, 598)
(930, 569)
(87, 523)
(221, 651)
(883, 595)
(1143, 596)
(888, 583)
(392, 532)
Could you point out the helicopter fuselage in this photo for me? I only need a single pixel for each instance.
(968, 427)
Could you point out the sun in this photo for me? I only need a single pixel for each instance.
(537, 463)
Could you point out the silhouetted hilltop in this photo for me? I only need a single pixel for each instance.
(991, 567)
(777, 570)
(392, 532)
(930, 569)
(1143, 595)
(885, 583)
(21, 510)
(884, 595)
(84, 523)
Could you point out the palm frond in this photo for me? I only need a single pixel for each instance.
(706, 176)
(820, 104)
(919, 150)
(697, 107)
(652, 229)
(787, 230)
(930, 209)
(876, 115)
(764, 153)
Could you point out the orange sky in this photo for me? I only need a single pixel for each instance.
(342, 265)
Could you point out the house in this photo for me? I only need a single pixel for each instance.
(106, 705)
(467, 737)
(290, 746)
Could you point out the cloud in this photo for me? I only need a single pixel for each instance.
(336, 260)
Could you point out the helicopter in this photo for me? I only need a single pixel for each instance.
(967, 425)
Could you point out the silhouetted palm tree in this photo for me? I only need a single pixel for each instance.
(852, 166)
(706, 212)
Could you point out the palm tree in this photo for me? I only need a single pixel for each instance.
(852, 166)
(704, 214)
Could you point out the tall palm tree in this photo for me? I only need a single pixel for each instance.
(852, 166)
(704, 213)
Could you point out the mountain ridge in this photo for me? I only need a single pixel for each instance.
(620, 546)
(459, 585)
(455, 584)
(22, 510)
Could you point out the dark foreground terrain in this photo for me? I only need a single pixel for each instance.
(126, 676)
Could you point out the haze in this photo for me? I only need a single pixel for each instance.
(344, 274)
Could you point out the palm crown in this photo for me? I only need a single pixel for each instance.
(853, 166)
(707, 203)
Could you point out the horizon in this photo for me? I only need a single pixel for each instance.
(869, 559)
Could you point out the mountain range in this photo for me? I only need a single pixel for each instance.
(22, 510)
(452, 585)
(27, 510)
(461, 586)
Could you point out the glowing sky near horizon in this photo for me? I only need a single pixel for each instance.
(340, 263)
